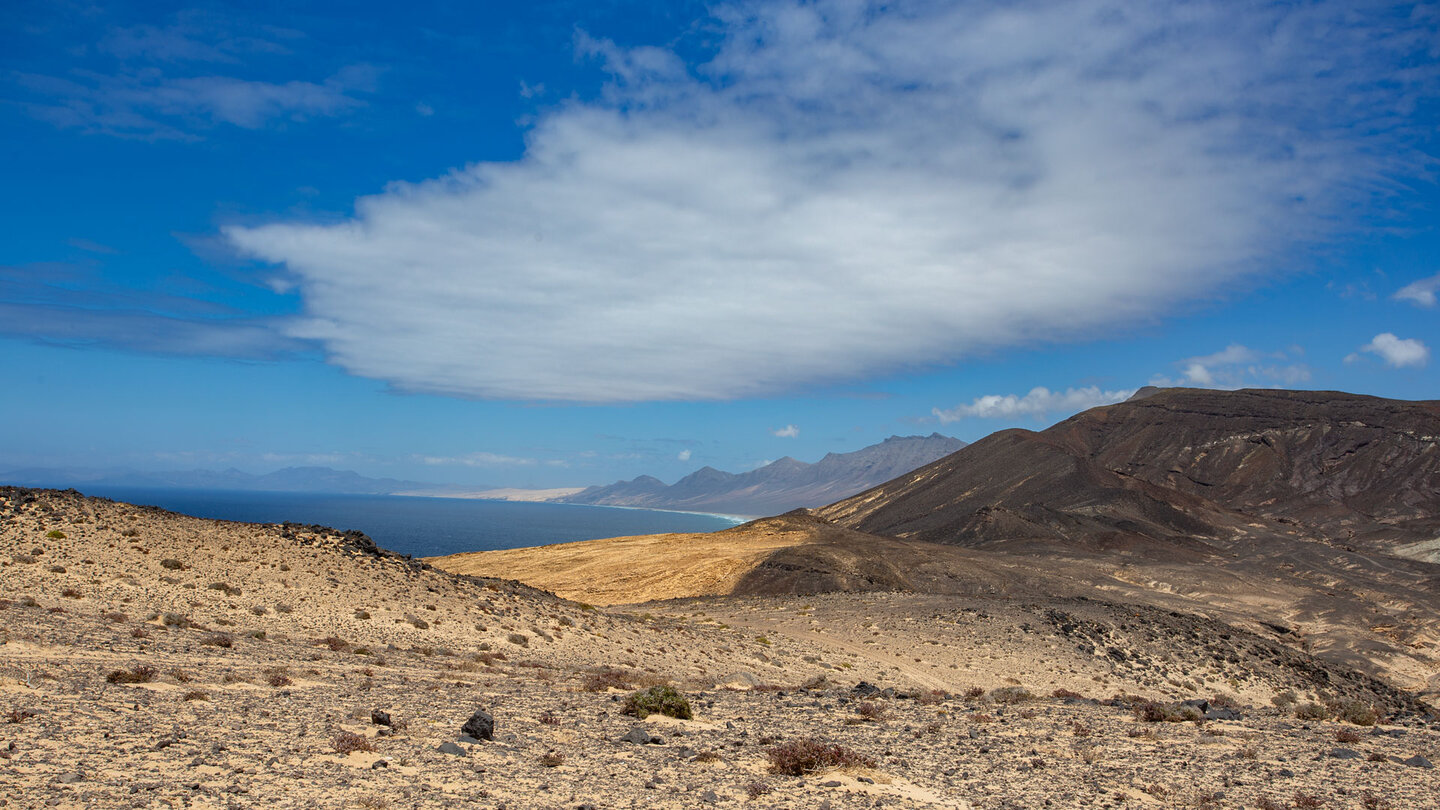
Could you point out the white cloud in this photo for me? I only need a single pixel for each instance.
(1237, 366)
(479, 460)
(787, 432)
(683, 455)
(1421, 293)
(1039, 402)
(849, 189)
(1396, 352)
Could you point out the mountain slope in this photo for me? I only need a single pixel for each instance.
(1175, 470)
(780, 486)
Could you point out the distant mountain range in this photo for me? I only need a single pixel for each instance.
(290, 479)
(777, 487)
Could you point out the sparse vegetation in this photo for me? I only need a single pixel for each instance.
(173, 564)
(55, 534)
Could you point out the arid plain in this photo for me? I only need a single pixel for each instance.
(157, 660)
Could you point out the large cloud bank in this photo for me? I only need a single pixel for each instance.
(847, 189)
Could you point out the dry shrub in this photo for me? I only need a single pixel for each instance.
(932, 697)
(222, 640)
(870, 710)
(1355, 711)
(974, 693)
(348, 742)
(1010, 694)
(1307, 801)
(1066, 693)
(335, 643)
(807, 755)
(608, 678)
(551, 759)
(196, 694)
(1347, 735)
(18, 716)
(139, 674)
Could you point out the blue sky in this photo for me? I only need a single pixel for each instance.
(563, 243)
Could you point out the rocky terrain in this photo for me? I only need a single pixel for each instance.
(155, 660)
(779, 486)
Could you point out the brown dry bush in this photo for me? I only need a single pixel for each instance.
(139, 674)
(348, 742)
(807, 755)
(608, 678)
(870, 710)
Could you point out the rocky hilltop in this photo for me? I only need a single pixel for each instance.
(779, 486)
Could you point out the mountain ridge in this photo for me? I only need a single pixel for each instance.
(779, 486)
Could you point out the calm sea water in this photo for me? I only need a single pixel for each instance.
(423, 527)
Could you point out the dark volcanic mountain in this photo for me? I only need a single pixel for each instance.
(1179, 470)
(778, 487)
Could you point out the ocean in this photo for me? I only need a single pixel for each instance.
(424, 527)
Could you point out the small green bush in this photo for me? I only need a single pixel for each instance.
(658, 700)
(55, 534)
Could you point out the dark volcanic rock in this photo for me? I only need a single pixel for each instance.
(481, 726)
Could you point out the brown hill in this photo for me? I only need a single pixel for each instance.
(1172, 472)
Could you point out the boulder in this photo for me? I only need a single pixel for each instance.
(481, 726)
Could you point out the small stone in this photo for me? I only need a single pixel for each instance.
(709, 797)
(480, 725)
(380, 718)
(1418, 761)
(865, 689)
(451, 748)
(378, 764)
(70, 778)
(1344, 753)
(638, 735)
(833, 783)
(867, 780)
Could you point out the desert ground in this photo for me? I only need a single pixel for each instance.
(154, 660)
